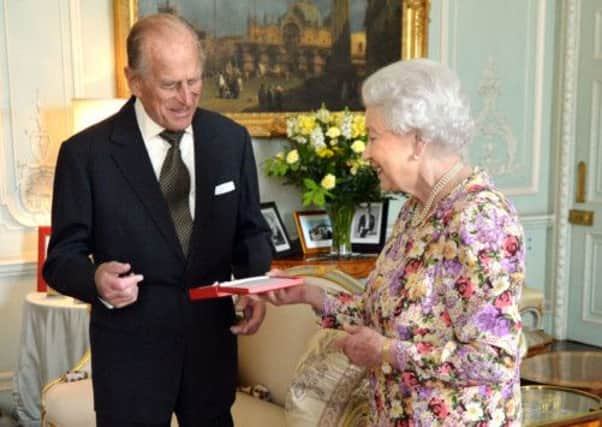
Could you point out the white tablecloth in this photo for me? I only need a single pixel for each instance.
(53, 339)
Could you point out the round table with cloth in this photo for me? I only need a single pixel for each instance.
(54, 337)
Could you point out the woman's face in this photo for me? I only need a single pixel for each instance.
(390, 154)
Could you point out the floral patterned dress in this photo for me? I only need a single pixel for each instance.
(447, 292)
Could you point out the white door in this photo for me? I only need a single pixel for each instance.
(585, 278)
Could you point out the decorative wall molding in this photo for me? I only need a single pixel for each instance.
(492, 125)
(535, 55)
(593, 252)
(568, 96)
(538, 221)
(34, 178)
(18, 267)
(37, 117)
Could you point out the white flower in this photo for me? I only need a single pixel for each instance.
(358, 146)
(300, 139)
(323, 114)
(498, 418)
(317, 138)
(291, 127)
(448, 349)
(347, 126)
(500, 285)
(474, 412)
(292, 157)
(329, 181)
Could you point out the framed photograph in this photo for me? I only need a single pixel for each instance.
(269, 57)
(281, 242)
(369, 227)
(314, 230)
(43, 240)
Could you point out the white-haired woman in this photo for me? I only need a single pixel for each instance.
(438, 324)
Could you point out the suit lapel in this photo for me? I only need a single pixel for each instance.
(131, 157)
(206, 161)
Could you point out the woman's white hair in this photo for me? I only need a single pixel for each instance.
(423, 96)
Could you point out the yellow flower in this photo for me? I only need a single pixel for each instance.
(416, 287)
(280, 155)
(358, 127)
(292, 157)
(358, 146)
(333, 132)
(329, 181)
(467, 257)
(396, 409)
(324, 152)
(450, 250)
(336, 118)
(306, 124)
(354, 166)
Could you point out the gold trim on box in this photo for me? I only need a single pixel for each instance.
(414, 41)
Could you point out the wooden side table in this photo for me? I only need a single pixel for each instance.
(357, 266)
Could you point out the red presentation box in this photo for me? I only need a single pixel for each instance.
(250, 285)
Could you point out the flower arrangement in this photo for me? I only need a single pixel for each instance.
(324, 158)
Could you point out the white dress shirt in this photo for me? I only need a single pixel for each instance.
(157, 147)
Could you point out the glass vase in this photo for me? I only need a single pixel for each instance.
(341, 216)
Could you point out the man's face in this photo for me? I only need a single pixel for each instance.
(170, 85)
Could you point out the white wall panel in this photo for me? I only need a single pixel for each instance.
(499, 50)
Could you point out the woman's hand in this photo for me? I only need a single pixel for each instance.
(300, 294)
(362, 345)
(290, 295)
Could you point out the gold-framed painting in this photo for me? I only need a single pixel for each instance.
(269, 58)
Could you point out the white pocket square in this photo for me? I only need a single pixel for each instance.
(224, 188)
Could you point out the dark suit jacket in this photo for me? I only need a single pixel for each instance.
(107, 203)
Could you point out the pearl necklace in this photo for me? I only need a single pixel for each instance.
(419, 218)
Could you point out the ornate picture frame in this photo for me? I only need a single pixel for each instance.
(413, 33)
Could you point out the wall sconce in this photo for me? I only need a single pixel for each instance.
(87, 111)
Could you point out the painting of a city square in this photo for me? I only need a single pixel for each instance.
(288, 55)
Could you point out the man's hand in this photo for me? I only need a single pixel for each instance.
(116, 284)
(362, 345)
(254, 312)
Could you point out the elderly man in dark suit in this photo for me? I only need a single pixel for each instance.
(159, 198)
